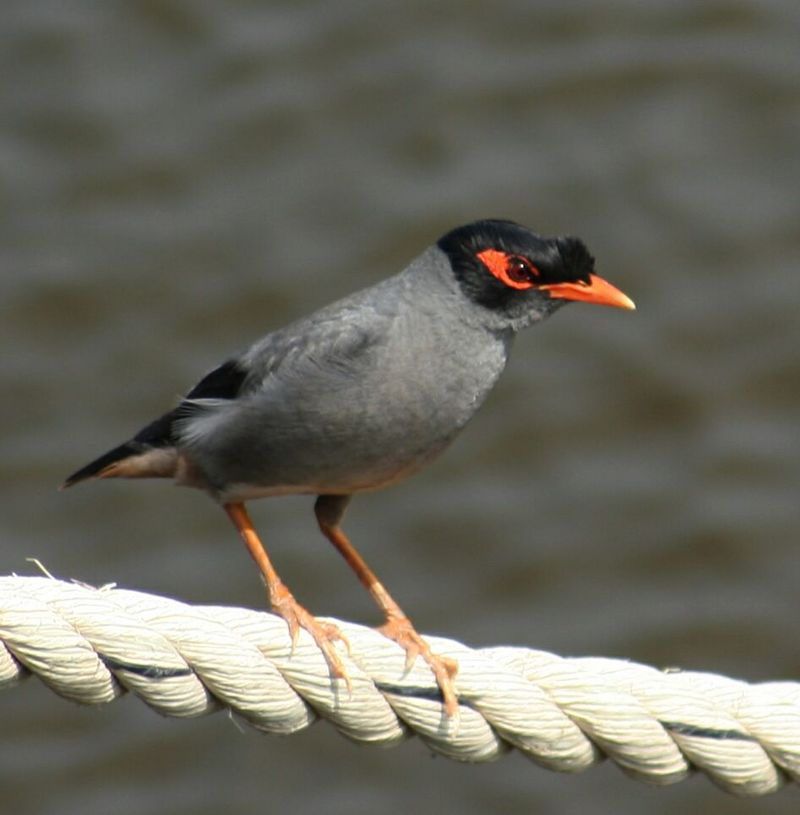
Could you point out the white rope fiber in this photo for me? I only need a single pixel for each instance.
(92, 645)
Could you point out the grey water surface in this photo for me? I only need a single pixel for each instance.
(177, 178)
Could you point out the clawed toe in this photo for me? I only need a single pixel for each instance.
(401, 631)
(324, 634)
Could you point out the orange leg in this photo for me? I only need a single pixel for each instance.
(283, 601)
(329, 510)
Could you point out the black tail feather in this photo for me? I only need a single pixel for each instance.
(95, 467)
(224, 382)
(156, 434)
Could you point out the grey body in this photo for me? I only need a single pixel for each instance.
(365, 391)
(356, 396)
(359, 395)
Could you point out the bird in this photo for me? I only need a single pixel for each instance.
(360, 395)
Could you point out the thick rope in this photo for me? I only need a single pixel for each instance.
(92, 645)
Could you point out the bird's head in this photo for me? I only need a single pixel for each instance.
(521, 277)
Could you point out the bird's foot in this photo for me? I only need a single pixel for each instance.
(324, 634)
(400, 629)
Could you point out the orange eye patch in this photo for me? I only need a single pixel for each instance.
(516, 271)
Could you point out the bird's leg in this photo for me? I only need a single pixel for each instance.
(283, 601)
(329, 510)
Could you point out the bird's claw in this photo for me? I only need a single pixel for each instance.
(324, 634)
(400, 630)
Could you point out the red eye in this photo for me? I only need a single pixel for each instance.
(520, 270)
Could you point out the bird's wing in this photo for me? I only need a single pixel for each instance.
(224, 382)
(324, 346)
(307, 367)
(316, 352)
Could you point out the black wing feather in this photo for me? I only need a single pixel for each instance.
(224, 382)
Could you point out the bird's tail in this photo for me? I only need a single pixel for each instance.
(149, 454)
(104, 466)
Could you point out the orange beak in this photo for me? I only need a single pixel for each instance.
(596, 290)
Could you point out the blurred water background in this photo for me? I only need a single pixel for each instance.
(177, 178)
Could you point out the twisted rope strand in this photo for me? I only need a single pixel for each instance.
(92, 645)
